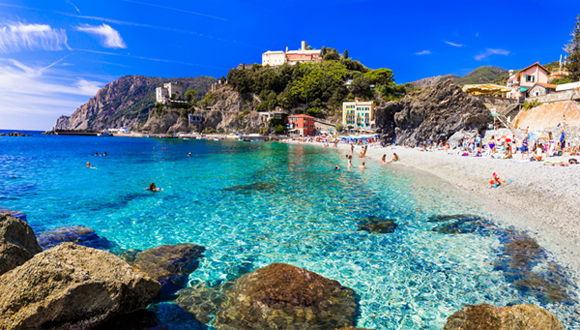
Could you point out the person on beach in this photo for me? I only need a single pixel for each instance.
(394, 159)
(494, 182)
(524, 147)
(153, 188)
(431, 143)
(492, 146)
(563, 139)
(352, 149)
(362, 166)
(538, 153)
(384, 159)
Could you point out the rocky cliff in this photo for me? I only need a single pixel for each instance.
(126, 102)
(439, 111)
(223, 111)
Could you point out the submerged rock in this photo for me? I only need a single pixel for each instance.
(353, 328)
(79, 235)
(258, 186)
(17, 242)
(72, 287)
(278, 296)
(169, 264)
(281, 296)
(487, 317)
(376, 225)
(460, 224)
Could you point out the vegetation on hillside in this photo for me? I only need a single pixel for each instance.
(142, 97)
(483, 75)
(573, 50)
(319, 87)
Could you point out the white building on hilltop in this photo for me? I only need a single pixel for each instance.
(277, 58)
(170, 92)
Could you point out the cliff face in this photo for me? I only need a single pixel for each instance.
(224, 112)
(439, 111)
(126, 102)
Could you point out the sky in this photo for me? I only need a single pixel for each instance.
(56, 54)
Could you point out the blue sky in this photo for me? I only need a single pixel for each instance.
(56, 54)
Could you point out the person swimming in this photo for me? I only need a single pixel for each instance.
(349, 160)
(96, 153)
(362, 166)
(337, 167)
(153, 188)
(105, 153)
(163, 148)
(89, 165)
(189, 154)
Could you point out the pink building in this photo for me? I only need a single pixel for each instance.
(524, 80)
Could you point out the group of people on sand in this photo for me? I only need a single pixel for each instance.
(362, 155)
(534, 147)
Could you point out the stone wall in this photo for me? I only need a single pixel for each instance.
(496, 102)
(554, 97)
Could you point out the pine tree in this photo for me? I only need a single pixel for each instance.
(573, 50)
(345, 54)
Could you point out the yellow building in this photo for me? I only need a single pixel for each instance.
(358, 114)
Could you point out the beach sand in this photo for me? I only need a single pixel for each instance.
(542, 200)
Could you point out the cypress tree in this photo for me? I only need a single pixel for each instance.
(345, 54)
(573, 50)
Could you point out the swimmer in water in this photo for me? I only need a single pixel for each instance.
(384, 159)
(349, 161)
(394, 159)
(189, 154)
(163, 148)
(96, 153)
(362, 166)
(153, 188)
(89, 165)
(105, 153)
(337, 167)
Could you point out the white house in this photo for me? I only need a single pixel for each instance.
(172, 92)
(273, 58)
(277, 58)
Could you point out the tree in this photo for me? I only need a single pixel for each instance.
(332, 55)
(345, 54)
(190, 95)
(223, 80)
(573, 50)
(339, 127)
(279, 129)
(323, 51)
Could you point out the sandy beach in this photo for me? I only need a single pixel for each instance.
(542, 200)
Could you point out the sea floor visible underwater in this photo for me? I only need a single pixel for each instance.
(252, 204)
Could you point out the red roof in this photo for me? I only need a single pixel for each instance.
(303, 116)
(538, 64)
(552, 86)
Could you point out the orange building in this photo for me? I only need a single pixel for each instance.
(301, 124)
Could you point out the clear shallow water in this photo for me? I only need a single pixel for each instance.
(252, 204)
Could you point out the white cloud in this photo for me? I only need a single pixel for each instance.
(488, 52)
(72, 4)
(110, 37)
(425, 52)
(14, 38)
(453, 44)
(40, 94)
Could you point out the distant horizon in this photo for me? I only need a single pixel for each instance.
(55, 56)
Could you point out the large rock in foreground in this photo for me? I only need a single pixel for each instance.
(282, 296)
(79, 235)
(169, 264)
(17, 242)
(518, 317)
(72, 287)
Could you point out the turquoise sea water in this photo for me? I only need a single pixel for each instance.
(252, 204)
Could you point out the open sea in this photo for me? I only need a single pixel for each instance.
(252, 204)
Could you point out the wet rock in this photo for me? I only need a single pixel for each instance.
(533, 284)
(17, 242)
(353, 328)
(170, 265)
(16, 214)
(79, 235)
(375, 225)
(281, 296)
(460, 224)
(202, 300)
(140, 320)
(487, 317)
(72, 287)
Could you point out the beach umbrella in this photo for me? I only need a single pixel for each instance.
(505, 138)
(534, 136)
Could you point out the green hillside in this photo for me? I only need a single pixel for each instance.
(482, 75)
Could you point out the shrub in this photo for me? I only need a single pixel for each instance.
(339, 127)
(246, 112)
(279, 129)
(241, 117)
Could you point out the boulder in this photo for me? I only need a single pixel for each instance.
(72, 287)
(170, 265)
(17, 242)
(487, 317)
(353, 328)
(385, 121)
(376, 225)
(440, 111)
(74, 234)
(281, 296)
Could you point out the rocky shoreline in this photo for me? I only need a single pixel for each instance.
(71, 285)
